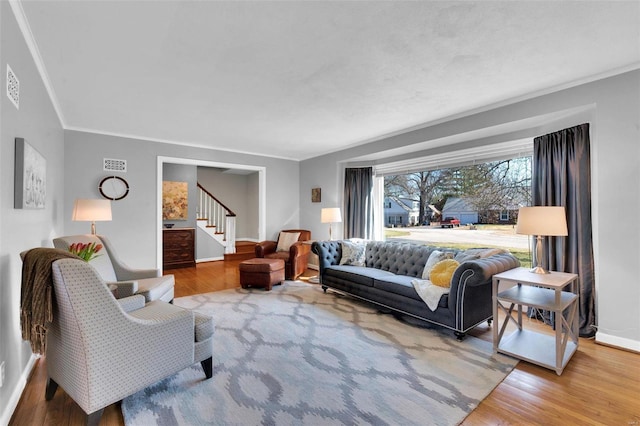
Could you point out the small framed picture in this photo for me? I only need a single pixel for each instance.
(315, 195)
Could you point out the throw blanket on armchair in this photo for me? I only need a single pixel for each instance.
(36, 295)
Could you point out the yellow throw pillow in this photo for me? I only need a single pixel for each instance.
(442, 272)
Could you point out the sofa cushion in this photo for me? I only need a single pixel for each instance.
(442, 272)
(286, 240)
(398, 284)
(357, 274)
(435, 257)
(352, 253)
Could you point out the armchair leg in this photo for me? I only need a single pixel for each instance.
(50, 390)
(93, 419)
(207, 366)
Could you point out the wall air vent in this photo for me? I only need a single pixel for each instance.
(113, 165)
(13, 87)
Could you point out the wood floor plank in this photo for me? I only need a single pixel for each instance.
(599, 386)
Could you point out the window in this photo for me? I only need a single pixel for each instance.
(482, 194)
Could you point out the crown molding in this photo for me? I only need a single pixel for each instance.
(25, 28)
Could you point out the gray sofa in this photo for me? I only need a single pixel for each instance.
(390, 267)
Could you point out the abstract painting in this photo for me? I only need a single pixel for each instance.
(30, 177)
(175, 202)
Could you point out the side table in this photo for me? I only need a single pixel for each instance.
(542, 291)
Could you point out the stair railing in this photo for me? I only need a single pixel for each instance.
(218, 216)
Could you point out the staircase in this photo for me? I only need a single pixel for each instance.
(244, 250)
(217, 220)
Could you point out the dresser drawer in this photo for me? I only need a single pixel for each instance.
(178, 248)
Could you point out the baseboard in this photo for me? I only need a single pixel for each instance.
(209, 259)
(14, 399)
(618, 342)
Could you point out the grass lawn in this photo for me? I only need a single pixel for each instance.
(521, 254)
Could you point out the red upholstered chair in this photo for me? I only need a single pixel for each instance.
(296, 256)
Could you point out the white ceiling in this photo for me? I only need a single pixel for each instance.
(301, 79)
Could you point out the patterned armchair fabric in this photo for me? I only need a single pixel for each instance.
(100, 353)
(295, 260)
(147, 282)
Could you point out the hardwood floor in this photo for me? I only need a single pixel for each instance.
(600, 386)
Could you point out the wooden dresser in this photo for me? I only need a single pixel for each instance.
(178, 248)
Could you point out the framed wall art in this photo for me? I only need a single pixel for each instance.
(30, 183)
(316, 195)
(175, 201)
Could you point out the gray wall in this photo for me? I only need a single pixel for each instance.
(36, 122)
(134, 217)
(612, 106)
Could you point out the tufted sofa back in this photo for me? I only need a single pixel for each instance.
(397, 257)
(400, 258)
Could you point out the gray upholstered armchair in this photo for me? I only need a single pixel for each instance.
(147, 282)
(100, 350)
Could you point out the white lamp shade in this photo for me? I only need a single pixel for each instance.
(88, 210)
(330, 215)
(542, 220)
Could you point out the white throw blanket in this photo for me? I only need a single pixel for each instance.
(428, 292)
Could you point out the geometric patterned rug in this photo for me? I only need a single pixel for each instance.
(298, 356)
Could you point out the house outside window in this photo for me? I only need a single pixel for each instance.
(504, 215)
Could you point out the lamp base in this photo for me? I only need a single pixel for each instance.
(538, 270)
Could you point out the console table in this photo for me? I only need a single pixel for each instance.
(541, 291)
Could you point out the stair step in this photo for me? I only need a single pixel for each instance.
(239, 256)
(245, 247)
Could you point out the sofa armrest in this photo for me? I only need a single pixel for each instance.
(329, 253)
(265, 247)
(481, 271)
(470, 298)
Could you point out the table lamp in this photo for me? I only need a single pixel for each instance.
(88, 210)
(541, 221)
(330, 215)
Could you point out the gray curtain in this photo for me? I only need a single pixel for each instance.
(358, 203)
(562, 177)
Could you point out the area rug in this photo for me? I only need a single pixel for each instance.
(298, 356)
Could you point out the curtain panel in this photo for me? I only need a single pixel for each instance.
(562, 177)
(358, 203)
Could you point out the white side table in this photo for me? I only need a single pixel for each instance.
(542, 291)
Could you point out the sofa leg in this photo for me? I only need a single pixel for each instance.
(93, 419)
(50, 390)
(207, 366)
(489, 321)
(324, 288)
(460, 336)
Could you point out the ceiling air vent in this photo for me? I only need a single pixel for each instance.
(113, 165)
(13, 87)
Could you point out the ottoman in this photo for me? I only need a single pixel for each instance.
(261, 272)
